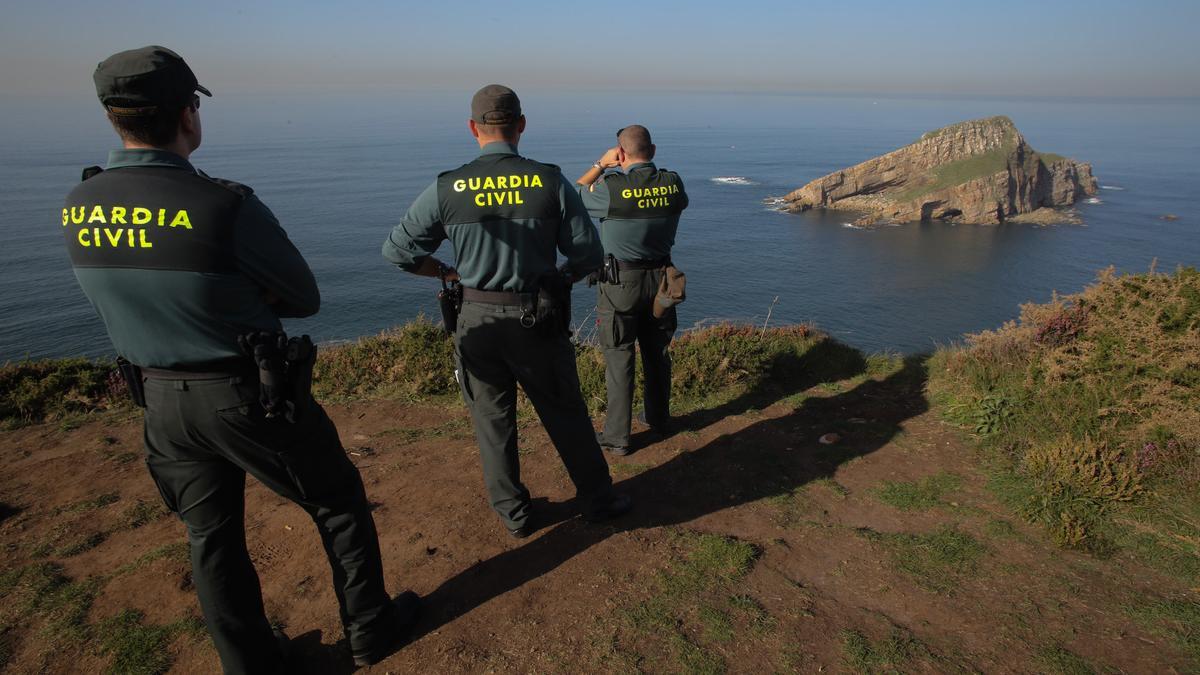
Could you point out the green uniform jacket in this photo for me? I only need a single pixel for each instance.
(176, 319)
(498, 254)
(633, 239)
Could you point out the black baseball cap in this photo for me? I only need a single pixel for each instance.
(495, 104)
(138, 81)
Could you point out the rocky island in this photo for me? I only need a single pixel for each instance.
(975, 172)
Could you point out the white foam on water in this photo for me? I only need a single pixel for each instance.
(774, 204)
(1094, 200)
(732, 180)
(1111, 187)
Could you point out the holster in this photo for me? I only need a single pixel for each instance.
(132, 374)
(450, 301)
(611, 272)
(552, 304)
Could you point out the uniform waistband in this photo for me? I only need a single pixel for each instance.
(643, 264)
(216, 371)
(496, 297)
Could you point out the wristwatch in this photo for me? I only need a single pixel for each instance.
(596, 165)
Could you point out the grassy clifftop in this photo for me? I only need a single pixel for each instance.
(416, 362)
(1090, 406)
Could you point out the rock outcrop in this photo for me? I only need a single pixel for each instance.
(979, 172)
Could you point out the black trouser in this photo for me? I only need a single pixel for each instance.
(202, 438)
(495, 353)
(626, 318)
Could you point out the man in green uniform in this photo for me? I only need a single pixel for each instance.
(178, 265)
(638, 208)
(505, 215)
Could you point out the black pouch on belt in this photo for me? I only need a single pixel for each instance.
(269, 351)
(132, 375)
(300, 358)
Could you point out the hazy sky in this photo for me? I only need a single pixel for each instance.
(1014, 47)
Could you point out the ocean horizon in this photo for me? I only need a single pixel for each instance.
(340, 172)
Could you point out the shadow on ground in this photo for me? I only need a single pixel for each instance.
(768, 458)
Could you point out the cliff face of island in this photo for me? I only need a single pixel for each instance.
(977, 172)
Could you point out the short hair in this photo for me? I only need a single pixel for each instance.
(508, 130)
(635, 141)
(157, 126)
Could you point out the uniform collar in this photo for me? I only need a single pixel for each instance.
(146, 157)
(498, 148)
(640, 165)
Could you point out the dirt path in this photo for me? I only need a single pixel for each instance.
(754, 548)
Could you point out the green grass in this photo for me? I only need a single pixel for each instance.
(715, 624)
(1057, 660)
(87, 505)
(139, 649)
(1176, 619)
(143, 512)
(81, 545)
(967, 169)
(938, 561)
(42, 595)
(832, 486)
(998, 528)
(43, 591)
(688, 610)
(892, 654)
(919, 495)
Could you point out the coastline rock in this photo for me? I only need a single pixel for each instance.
(975, 172)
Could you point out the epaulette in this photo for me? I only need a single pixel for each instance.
(232, 186)
(90, 171)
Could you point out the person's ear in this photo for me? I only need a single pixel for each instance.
(620, 154)
(521, 125)
(473, 127)
(187, 120)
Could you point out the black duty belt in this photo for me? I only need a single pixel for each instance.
(643, 264)
(217, 372)
(496, 297)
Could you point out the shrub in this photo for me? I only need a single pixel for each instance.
(38, 391)
(1090, 402)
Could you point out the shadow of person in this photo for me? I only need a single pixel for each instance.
(788, 373)
(768, 458)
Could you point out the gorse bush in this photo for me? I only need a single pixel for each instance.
(1091, 403)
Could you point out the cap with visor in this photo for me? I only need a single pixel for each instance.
(141, 81)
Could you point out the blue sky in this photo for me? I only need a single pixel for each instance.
(1067, 48)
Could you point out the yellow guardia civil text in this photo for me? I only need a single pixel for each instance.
(652, 196)
(100, 224)
(498, 190)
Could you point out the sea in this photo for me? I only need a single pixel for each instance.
(340, 171)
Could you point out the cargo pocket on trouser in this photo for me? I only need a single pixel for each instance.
(621, 298)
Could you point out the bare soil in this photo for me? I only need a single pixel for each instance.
(828, 568)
